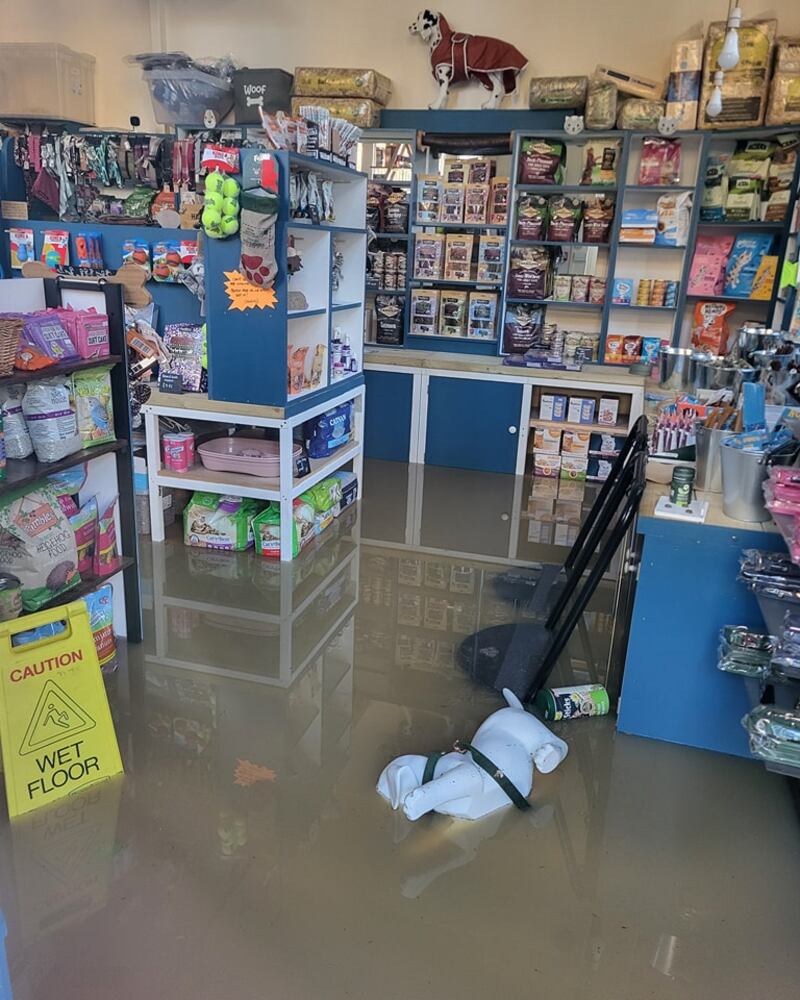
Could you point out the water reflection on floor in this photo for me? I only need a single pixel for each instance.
(246, 855)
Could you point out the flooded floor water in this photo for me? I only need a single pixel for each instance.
(245, 854)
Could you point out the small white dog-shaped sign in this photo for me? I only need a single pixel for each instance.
(511, 739)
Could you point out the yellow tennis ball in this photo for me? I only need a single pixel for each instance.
(230, 206)
(211, 218)
(214, 199)
(230, 188)
(230, 225)
(215, 182)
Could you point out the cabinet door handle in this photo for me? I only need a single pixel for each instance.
(512, 429)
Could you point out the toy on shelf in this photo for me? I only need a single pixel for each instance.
(458, 57)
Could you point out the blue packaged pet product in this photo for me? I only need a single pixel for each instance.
(329, 431)
(743, 263)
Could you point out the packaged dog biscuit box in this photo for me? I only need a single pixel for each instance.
(482, 314)
(424, 311)
(453, 313)
(490, 259)
(458, 256)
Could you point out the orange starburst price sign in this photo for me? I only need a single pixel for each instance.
(242, 295)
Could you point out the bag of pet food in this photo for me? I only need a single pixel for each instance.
(84, 523)
(18, 440)
(325, 498)
(37, 545)
(601, 105)
(598, 217)
(267, 528)
(100, 607)
(660, 162)
(565, 218)
(105, 558)
(92, 393)
(45, 332)
(710, 327)
(329, 431)
(715, 188)
(521, 327)
(389, 312)
(674, 213)
(529, 273)
(542, 161)
(600, 159)
(744, 261)
(707, 272)
(214, 521)
(50, 416)
(531, 216)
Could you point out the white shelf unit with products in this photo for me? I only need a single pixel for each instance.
(284, 489)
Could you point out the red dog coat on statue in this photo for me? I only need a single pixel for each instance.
(473, 57)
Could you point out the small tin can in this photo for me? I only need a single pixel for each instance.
(175, 456)
(572, 702)
(682, 485)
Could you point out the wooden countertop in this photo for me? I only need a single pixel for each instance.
(715, 517)
(443, 361)
(200, 401)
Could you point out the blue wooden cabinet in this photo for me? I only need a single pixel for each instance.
(387, 431)
(473, 424)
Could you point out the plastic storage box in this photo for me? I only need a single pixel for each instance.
(182, 96)
(46, 80)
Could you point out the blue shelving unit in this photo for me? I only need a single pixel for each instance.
(247, 349)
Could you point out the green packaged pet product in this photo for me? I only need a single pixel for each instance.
(572, 702)
(325, 498)
(212, 521)
(267, 528)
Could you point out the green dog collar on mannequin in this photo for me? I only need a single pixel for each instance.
(461, 746)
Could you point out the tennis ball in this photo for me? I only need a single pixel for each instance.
(230, 188)
(214, 182)
(230, 206)
(213, 199)
(211, 218)
(230, 225)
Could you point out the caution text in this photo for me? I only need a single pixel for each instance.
(45, 666)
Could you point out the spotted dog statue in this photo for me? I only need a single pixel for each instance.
(458, 57)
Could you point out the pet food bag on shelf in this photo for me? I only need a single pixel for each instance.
(49, 412)
(744, 261)
(329, 431)
(710, 328)
(37, 545)
(330, 81)
(100, 606)
(92, 394)
(213, 521)
(267, 528)
(17, 439)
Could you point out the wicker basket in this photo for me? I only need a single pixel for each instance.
(10, 332)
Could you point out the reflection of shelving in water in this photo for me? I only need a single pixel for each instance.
(277, 616)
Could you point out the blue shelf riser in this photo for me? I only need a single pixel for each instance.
(176, 303)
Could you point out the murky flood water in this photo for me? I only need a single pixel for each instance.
(245, 854)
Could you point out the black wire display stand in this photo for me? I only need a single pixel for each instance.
(522, 656)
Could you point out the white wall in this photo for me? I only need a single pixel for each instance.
(106, 30)
(559, 37)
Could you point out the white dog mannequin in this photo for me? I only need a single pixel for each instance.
(512, 739)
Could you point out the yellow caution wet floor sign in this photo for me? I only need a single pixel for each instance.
(55, 725)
